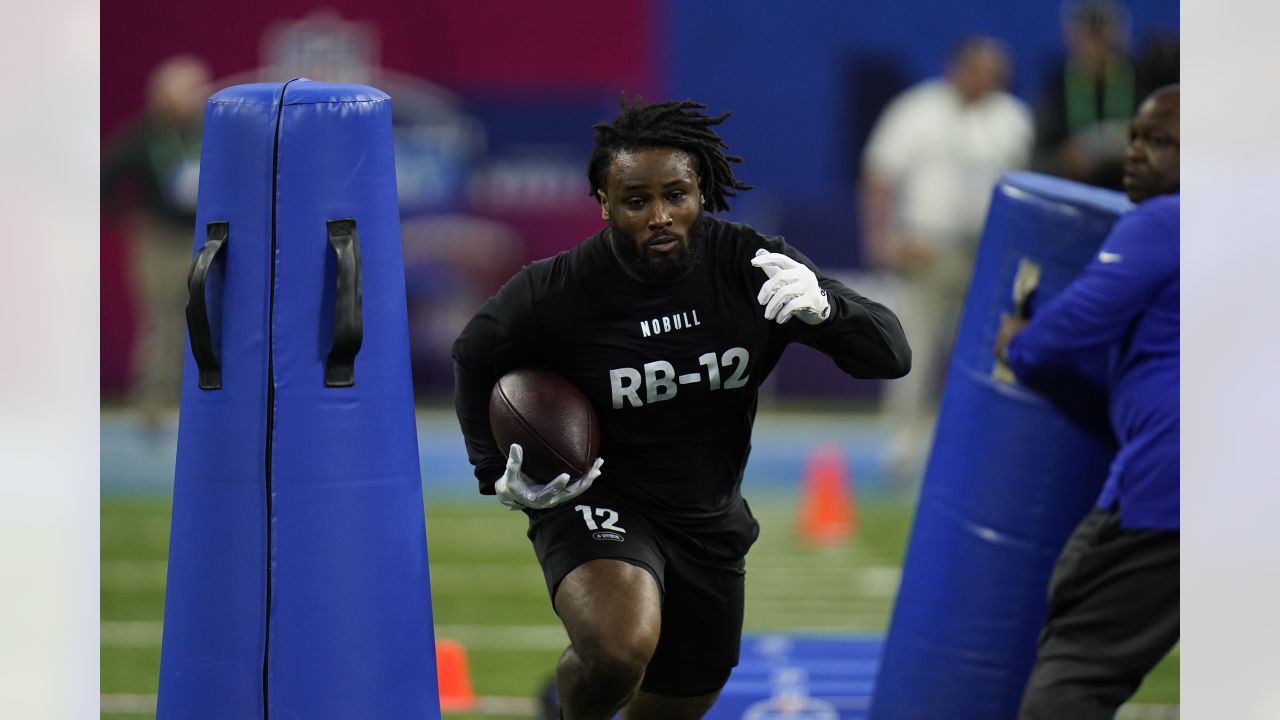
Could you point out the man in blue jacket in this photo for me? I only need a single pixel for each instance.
(1113, 596)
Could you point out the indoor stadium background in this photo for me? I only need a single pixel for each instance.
(494, 104)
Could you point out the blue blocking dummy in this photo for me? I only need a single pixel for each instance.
(1010, 474)
(298, 584)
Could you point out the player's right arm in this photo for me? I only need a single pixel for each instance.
(501, 336)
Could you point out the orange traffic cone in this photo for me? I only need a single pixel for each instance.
(828, 511)
(454, 675)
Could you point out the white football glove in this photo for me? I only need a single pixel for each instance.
(517, 490)
(791, 290)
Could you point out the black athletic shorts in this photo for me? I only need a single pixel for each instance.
(701, 576)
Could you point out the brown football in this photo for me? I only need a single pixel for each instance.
(551, 419)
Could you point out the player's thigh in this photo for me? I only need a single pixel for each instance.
(602, 566)
(611, 606)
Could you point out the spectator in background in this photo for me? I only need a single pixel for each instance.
(1113, 596)
(149, 174)
(1083, 117)
(1159, 61)
(928, 170)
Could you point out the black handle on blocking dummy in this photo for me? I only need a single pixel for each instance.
(348, 323)
(197, 309)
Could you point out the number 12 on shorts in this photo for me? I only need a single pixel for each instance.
(610, 518)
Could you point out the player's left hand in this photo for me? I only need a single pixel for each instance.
(791, 290)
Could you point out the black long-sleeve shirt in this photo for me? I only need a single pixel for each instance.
(673, 371)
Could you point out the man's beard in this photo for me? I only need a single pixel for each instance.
(659, 268)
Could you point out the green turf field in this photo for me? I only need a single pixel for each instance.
(488, 593)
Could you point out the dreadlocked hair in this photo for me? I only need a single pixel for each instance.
(673, 124)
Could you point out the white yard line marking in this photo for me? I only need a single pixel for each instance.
(1147, 711)
(131, 633)
(876, 581)
(141, 633)
(493, 705)
(126, 704)
(824, 622)
(130, 704)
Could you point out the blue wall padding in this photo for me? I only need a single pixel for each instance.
(298, 562)
(1009, 477)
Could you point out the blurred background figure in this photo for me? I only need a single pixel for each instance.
(1083, 118)
(928, 170)
(150, 172)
